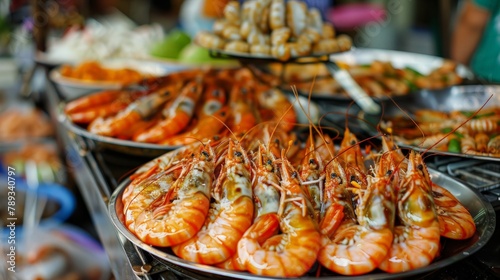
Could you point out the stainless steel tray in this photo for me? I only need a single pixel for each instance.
(152, 150)
(399, 59)
(453, 251)
(468, 98)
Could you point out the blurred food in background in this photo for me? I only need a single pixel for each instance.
(171, 45)
(24, 123)
(96, 41)
(378, 78)
(45, 155)
(94, 71)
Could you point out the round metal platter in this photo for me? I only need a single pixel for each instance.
(115, 144)
(152, 150)
(468, 98)
(399, 59)
(453, 251)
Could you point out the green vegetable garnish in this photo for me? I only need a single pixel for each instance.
(469, 114)
(415, 72)
(446, 130)
(454, 146)
(458, 134)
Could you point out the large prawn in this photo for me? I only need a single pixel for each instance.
(336, 206)
(100, 104)
(455, 221)
(356, 249)
(416, 241)
(180, 213)
(310, 173)
(266, 197)
(133, 117)
(230, 214)
(291, 253)
(277, 105)
(177, 115)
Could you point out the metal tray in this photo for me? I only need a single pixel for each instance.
(399, 59)
(454, 98)
(99, 142)
(453, 251)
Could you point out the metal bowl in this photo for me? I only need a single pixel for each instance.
(468, 98)
(399, 59)
(453, 251)
(99, 142)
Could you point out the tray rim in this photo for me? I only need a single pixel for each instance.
(488, 211)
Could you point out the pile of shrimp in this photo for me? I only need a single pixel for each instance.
(261, 204)
(466, 132)
(378, 78)
(181, 107)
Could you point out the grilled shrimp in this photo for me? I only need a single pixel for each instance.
(355, 249)
(336, 207)
(205, 128)
(230, 214)
(137, 111)
(180, 213)
(455, 221)
(494, 145)
(266, 194)
(101, 104)
(266, 199)
(178, 114)
(279, 107)
(291, 253)
(350, 152)
(310, 174)
(243, 112)
(416, 241)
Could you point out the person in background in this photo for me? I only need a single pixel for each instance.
(475, 41)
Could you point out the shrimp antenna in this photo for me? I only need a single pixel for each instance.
(308, 115)
(352, 146)
(279, 122)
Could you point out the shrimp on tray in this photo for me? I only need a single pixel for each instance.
(132, 118)
(177, 115)
(100, 104)
(359, 248)
(179, 214)
(293, 252)
(455, 221)
(416, 240)
(211, 118)
(266, 198)
(229, 216)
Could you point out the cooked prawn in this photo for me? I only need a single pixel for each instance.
(230, 214)
(136, 111)
(243, 111)
(356, 249)
(205, 128)
(336, 207)
(180, 213)
(277, 105)
(177, 115)
(416, 241)
(294, 251)
(455, 221)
